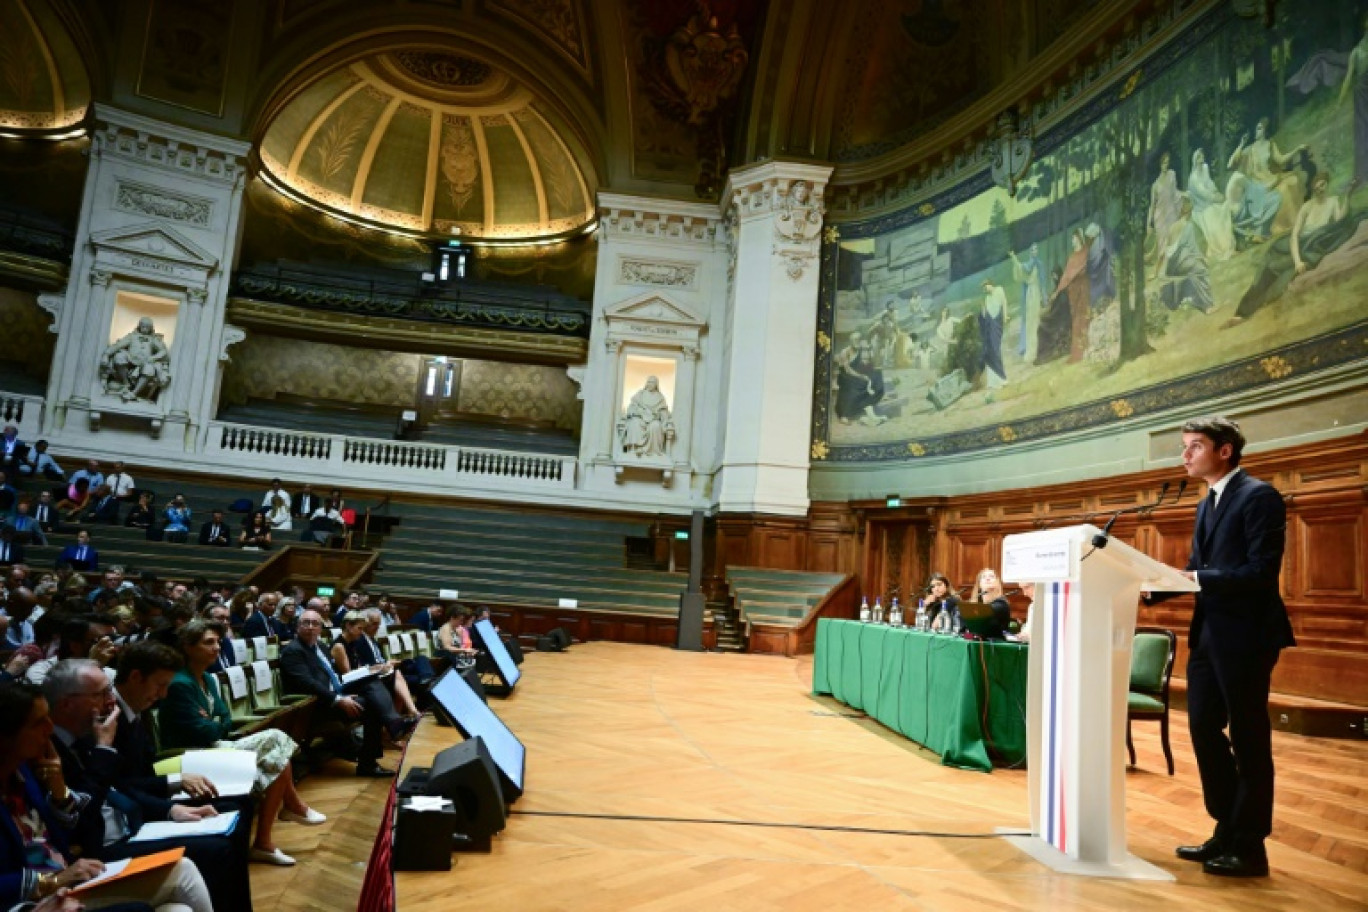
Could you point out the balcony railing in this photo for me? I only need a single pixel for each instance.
(22, 411)
(277, 451)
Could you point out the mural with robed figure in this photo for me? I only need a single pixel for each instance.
(1193, 230)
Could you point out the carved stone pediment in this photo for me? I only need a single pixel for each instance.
(152, 243)
(653, 307)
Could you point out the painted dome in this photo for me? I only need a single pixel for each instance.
(429, 142)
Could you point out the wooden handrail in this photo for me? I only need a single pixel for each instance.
(841, 602)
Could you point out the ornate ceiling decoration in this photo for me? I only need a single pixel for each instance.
(44, 88)
(429, 142)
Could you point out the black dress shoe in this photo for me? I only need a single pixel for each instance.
(1208, 850)
(374, 771)
(1234, 864)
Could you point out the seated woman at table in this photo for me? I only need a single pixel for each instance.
(194, 715)
(988, 589)
(35, 862)
(942, 606)
(454, 636)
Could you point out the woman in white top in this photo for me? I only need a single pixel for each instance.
(279, 515)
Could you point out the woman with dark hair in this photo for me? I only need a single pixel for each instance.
(194, 715)
(942, 605)
(355, 648)
(78, 495)
(454, 636)
(257, 535)
(39, 809)
(141, 516)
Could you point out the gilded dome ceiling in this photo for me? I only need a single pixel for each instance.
(43, 83)
(429, 142)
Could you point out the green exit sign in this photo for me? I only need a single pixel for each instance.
(893, 502)
(326, 591)
(682, 535)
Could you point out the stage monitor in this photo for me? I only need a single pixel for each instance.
(458, 704)
(507, 671)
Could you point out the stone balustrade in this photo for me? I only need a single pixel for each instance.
(24, 412)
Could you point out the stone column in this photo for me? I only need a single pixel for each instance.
(775, 210)
(158, 232)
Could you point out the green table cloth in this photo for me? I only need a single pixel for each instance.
(937, 690)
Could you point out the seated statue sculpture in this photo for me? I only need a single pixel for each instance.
(137, 366)
(646, 428)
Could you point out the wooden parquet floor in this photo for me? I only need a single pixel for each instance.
(616, 732)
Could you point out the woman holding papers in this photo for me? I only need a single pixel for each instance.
(455, 638)
(355, 649)
(38, 807)
(194, 714)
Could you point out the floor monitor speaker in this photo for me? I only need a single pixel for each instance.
(466, 774)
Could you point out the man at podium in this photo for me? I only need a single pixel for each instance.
(1239, 626)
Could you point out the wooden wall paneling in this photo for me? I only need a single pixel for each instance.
(1330, 547)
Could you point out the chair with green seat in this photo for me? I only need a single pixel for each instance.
(1152, 654)
(240, 707)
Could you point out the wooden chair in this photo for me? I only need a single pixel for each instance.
(1152, 654)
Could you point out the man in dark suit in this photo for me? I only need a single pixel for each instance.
(11, 552)
(82, 556)
(104, 506)
(13, 451)
(1239, 626)
(304, 503)
(306, 669)
(85, 716)
(215, 531)
(429, 618)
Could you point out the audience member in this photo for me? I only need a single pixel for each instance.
(284, 621)
(430, 618)
(273, 492)
(82, 555)
(103, 506)
(36, 857)
(11, 551)
(257, 535)
(227, 656)
(351, 601)
(325, 522)
(120, 482)
(91, 475)
(81, 637)
(26, 528)
(78, 495)
(13, 451)
(40, 464)
(9, 495)
(215, 531)
(177, 517)
(305, 669)
(141, 515)
(988, 589)
(304, 502)
(194, 714)
(261, 622)
(357, 649)
(45, 512)
(278, 515)
(454, 636)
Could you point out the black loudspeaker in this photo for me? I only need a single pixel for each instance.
(555, 640)
(466, 774)
(514, 648)
(423, 840)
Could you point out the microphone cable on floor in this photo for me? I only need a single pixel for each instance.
(830, 828)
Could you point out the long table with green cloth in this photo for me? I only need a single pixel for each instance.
(932, 688)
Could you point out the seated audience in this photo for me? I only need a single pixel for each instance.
(81, 556)
(41, 465)
(454, 636)
(219, 614)
(194, 714)
(356, 649)
(177, 516)
(120, 482)
(81, 637)
(77, 497)
(305, 669)
(275, 491)
(257, 535)
(430, 618)
(304, 502)
(141, 515)
(35, 852)
(26, 528)
(260, 623)
(102, 506)
(91, 475)
(325, 522)
(45, 512)
(11, 551)
(13, 451)
(278, 515)
(215, 531)
(284, 621)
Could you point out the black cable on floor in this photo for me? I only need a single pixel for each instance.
(766, 823)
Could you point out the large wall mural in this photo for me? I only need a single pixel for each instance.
(1193, 231)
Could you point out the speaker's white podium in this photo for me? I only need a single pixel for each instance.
(1077, 680)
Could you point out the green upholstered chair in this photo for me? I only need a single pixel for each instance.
(1152, 655)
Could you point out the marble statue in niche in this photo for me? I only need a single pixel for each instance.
(137, 366)
(646, 428)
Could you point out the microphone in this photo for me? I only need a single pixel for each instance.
(962, 588)
(1100, 539)
(1011, 592)
(1162, 492)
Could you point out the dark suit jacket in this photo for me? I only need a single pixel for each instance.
(16, 553)
(68, 556)
(1238, 557)
(422, 619)
(304, 504)
(258, 625)
(106, 510)
(300, 673)
(10, 464)
(45, 515)
(224, 537)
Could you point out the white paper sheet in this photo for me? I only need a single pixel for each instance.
(233, 772)
(261, 676)
(237, 681)
(170, 829)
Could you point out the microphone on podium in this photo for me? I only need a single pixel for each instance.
(1100, 539)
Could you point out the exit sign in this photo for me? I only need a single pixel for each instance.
(893, 502)
(682, 535)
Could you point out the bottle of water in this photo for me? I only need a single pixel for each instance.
(895, 614)
(921, 614)
(878, 610)
(864, 609)
(955, 625)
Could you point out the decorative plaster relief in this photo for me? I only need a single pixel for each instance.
(669, 226)
(232, 335)
(648, 272)
(159, 203)
(53, 302)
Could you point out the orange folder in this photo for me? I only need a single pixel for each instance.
(139, 865)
